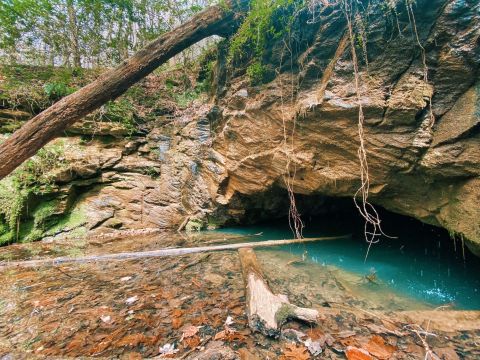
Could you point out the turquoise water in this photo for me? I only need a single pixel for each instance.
(422, 262)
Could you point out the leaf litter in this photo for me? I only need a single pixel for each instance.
(175, 309)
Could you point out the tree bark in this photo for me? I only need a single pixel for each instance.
(25, 142)
(267, 311)
(74, 36)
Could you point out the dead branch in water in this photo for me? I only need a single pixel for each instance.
(160, 252)
(266, 311)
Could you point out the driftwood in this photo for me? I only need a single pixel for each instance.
(219, 20)
(266, 311)
(158, 253)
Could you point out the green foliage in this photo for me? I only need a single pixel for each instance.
(186, 98)
(36, 173)
(33, 88)
(153, 172)
(68, 222)
(256, 73)
(121, 111)
(87, 32)
(267, 20)
(194, 225)
(57, 90)
(34, 177)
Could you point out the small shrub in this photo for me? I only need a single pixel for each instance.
(256, 73)
(120, 111)
(57, 90)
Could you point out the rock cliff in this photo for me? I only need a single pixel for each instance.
(221, 161)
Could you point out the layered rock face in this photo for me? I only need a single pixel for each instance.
(218, 163)
(304, 122)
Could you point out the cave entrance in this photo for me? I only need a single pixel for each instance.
(420, 262)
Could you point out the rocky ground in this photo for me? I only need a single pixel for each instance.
(193, 307)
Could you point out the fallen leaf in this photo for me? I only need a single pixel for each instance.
(354, 353)
(106, 318)
(131, 300)
(237, 310)
(378, 329)
(247, 355)
(229, 321)
(201, 320)
(189, 332)
(313, 347)
(377, 347)
(168, 351)
(345, 334)
(220, 335)
(447, 353)
(350, 341)
(192, 342)
(101, 346)
(295, 352)
(315, 334)
(134, 356)
(196, 283)
(76, 343)
(130, 340)
(177, 323)
(177, 313)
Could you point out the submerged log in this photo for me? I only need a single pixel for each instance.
(266, 311)
(219, 20)
(159, 253)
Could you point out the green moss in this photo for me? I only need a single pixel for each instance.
(194, 225)
(44, 212)
(6, 236)
(70, 221)
(13, 200)
(29, 233)
(284, 313)
(267, 20)
(34, 178)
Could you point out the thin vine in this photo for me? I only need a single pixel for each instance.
(373, 229)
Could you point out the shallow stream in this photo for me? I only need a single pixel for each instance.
(422, 265)
(129, 309)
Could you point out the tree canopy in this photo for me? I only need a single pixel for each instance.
(85, 33)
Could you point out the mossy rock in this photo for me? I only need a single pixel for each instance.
(194, 225)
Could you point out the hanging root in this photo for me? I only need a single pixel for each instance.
(413, 23)
(294, 218)
(373, 229)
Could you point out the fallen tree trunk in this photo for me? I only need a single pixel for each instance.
(33, 135)
(266, 311)
(159, 253)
